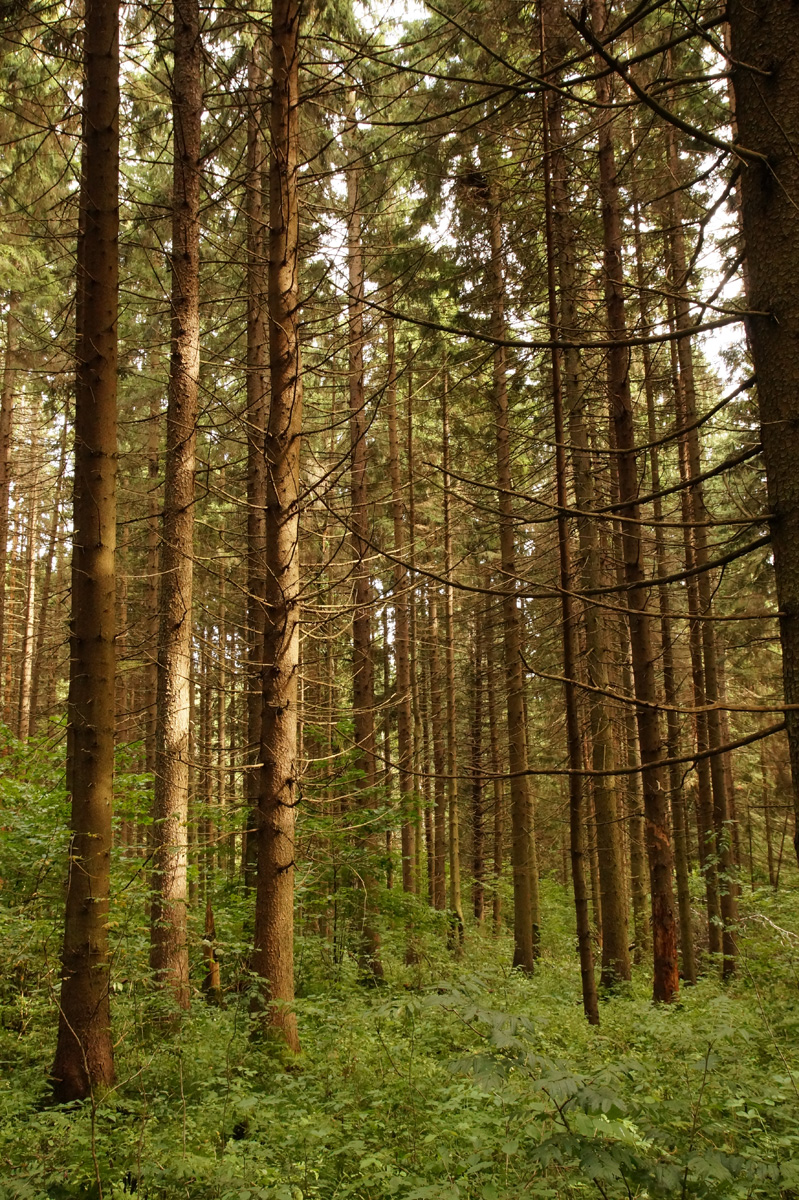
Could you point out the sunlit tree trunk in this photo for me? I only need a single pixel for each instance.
(84, 1058)
(169, 952)
(273, 953)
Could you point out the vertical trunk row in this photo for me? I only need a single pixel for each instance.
(765, 74)
(169, 957)
(6, 421)
(362, 660)
(410, 865)
(615, 952)
(455, 905)
(273, 952)
(257, 396)
(525, 922)
(84, 1058)
(664, 933)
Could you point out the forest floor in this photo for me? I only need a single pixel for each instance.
(456, 1078)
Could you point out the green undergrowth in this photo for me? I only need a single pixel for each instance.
(456, 1078)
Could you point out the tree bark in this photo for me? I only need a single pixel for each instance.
(664, 932)
(84, 1058)
(524, 933)
(273, 954)
(169, 952)
(764, 42)
(455, 904)
(6, 423)
(401, 631)
(257, 403)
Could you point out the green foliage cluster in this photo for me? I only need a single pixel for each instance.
(457, 1078)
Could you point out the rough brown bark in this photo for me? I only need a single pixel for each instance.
(6, 422)
(362, 659)
(455, 905)
(84, 1058)
(436, 714)
(478, 831)
(615, 951)
(273, 953)
(676, 796)
(257, 402)
(524, 920)
(765, 54)
(569, 630)
(493, 690)
(401, 632)
(664, 932)
(169, 952)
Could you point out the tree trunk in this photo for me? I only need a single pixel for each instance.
(455, 905)
(84, 1059)
(26, 655)
(524, 934)
(437, 709)
(615, 951)
(273, 954)
(44, 601)
(664, 932)
(169, 952)
(765, 56)
(401, 631)
(6, 422)
(257, 402)
(478, 833)
(569, 635)
(362, 660)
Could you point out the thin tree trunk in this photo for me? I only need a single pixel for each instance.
(169, 952)
(84, 1058)
(478, 833)
(273, 954)
(455, 904)
(676, 797)
(6, 422)
(257, 400)
(44, 601)
(664, 932)
(436, 714)
(26, 654)
(493, 735)
(401, 632)
(524, 920)
(362, 659)
(568, 624)
(615, 951)
(151, 587)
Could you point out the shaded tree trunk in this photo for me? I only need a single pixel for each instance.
(84, 1058)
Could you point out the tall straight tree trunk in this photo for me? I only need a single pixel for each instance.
(664, 932)
(478, 831)
(720, 779)
(273, 954)
(615, 951)
(704, 811)
(26, 655)
(765, 56)
(676, 793)
(455, 904)
(6, 422)
(363, 689)
(568, 622)
(257, 397)
(525, 922)
(493, 690)
(421, 757)
(401, 631)
(437, 708)
(169, 952)
(84, 1058)
(44, 601)
(151, 587)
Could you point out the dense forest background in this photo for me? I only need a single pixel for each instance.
(399, 600)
